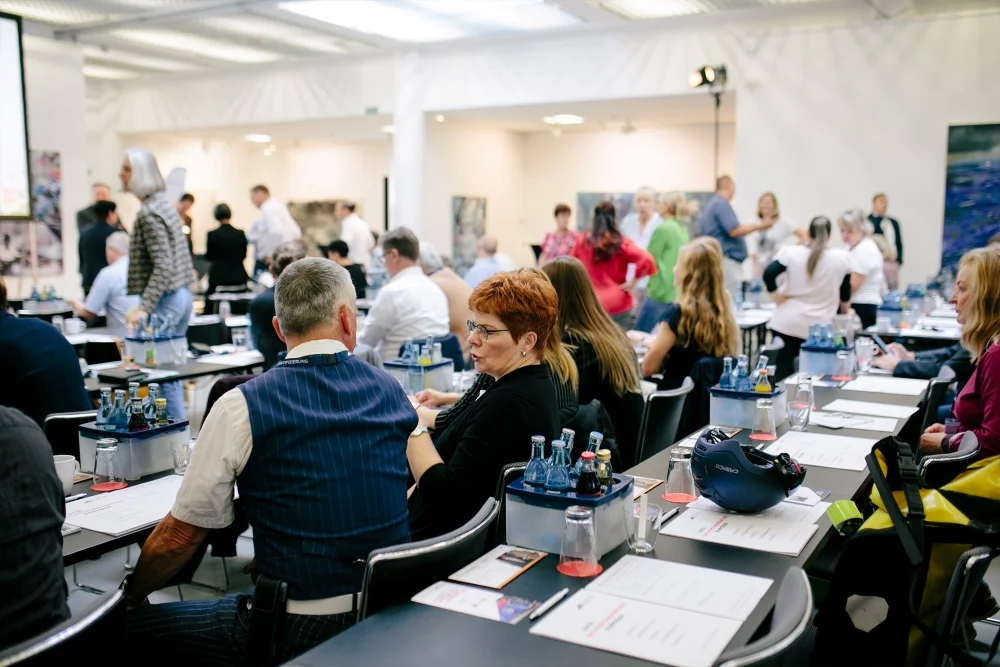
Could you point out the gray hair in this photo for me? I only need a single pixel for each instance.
(855, 219)
(677, 203)
(488, 244)
(310, 293)
(118, 241)
(430, 258)
(146, 178)
(646, 191)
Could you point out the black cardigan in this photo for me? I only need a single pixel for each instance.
(494, 431)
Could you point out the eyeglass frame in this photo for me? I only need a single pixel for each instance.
(482, 330)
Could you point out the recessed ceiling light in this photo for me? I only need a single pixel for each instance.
(258, 138)
(439, 118)
(563, 119)
(388, 129)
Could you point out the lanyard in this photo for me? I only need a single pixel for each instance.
(315, 360)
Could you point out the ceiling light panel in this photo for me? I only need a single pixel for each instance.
(102, 72)
(655, 9)
(263, 31)
(116, 56)
(394, 21)
(59, 13)
(196, 45)
(487, 16)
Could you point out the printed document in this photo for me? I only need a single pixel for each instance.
(872, 409)
(498, 567)
(887, 385)
(847, 420)
(825, 451)
(785, 511)
(740, 530)
(480, 602)
(131, 508)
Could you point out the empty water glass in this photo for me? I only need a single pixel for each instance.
(844, 369)
(108, 474)
(57, 322)
(800, 404)
(182, 452)
(680, 486)
(578, 554)
(864, 349)
(763, 423)
(641, 529)
(240, 338)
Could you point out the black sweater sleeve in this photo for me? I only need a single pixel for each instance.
(845, 288)
(771, 273)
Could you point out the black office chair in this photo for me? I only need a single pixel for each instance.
(965, 580)
(661, 419)
(935, 395)
(498, 530)
(99, 352)
(98, 626)
(62, 429)
(451, 348)
(395, 574)
(792, 612)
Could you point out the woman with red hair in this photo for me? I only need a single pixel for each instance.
(607, 254)
(513, 317)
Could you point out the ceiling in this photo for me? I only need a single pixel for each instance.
(128, 39)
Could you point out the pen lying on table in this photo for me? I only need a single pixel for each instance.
(548, 604)
(666, 517)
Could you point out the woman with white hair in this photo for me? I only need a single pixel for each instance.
(640, 226)
(664, 246)
(867, 278)
(160, 267)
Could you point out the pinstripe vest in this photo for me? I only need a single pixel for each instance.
(326, 479)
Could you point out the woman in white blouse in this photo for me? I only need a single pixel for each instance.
(765, 244)
(867, 277)
(817, 279)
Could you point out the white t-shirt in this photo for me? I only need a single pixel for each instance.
(811, 300)
(866, 260)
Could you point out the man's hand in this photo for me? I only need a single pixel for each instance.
(901, 352)
(886, 362)
(133, 316)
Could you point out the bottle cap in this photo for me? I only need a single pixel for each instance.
(603, 454)
(587, 456)
(161, 401)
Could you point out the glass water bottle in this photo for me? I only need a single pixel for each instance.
(588, 484)
(537, 469)
(593, 445)
(742, 376)
(727, 381)
(104, 412)
(119, 416)
(149, 405)
(557, 479)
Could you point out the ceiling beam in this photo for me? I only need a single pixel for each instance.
(593, 14)
(315, 25)
(199, 11)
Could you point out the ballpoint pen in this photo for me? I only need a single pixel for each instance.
(666, 517)
(548, 604)
(75, 497)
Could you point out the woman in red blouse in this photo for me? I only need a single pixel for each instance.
(607, 254)
(977, 407)
(560, 242)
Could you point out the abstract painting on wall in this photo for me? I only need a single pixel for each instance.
(972, 190)
(586, 202)
(316, 218)
(468, 216)
(15, 249)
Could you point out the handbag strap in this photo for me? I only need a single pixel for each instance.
(911, 534)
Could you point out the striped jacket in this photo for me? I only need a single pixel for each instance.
(159, 257)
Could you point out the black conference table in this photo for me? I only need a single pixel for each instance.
(191, 369)
(415, 634)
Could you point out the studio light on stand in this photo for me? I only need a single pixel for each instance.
(713, 76)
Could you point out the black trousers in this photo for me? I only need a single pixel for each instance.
(786, 356)
(867, 312)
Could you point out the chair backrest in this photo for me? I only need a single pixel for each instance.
(661, 420)
(395, 574)
(705, 373)
(451, 348)
(221, 386)
(79, 635)
(792, 613)
(101, 352)
(62, 430)
(498, 531)
(935, 395)
(965, 580)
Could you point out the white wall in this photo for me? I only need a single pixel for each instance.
(55, 98)
(671, 158)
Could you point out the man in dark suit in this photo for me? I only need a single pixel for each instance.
(226, 248)
(86, 217)
(40, 369)
(92, 240)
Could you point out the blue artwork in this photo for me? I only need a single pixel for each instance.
(972, 190)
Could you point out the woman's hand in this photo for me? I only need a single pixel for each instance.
(432, 398)
(901, 352)
(886, 362)
(780, 298)
(931, 442)
(628, 285)
(934, 428)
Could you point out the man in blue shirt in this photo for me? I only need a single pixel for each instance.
(109, 294)
(39, 368)
(486, 264)
(319, 446)
(719, 221)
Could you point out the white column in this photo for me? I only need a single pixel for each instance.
(406, 194)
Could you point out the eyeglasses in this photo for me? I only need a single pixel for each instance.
(483, 332)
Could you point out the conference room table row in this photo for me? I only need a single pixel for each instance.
(415, 634)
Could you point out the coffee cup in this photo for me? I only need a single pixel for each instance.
(66, 468)
(74, 325)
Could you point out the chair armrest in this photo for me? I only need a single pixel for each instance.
(937, 469)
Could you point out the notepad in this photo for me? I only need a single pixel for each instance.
(847, 420)
(825, 451)
(873, 409)
(739, 530)
(480, 602)
(127, 510)
(498, 567)
(887, 385)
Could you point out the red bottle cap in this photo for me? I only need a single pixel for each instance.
(587, 456)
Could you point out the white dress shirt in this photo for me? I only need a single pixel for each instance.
(109, 294)
(205, 498)
(409, 307)
(358, 235)
(274, 227)
(504, 262)
(641, 237)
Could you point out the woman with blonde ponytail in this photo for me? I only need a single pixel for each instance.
(816, 280)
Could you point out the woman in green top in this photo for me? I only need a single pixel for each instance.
(666, 243)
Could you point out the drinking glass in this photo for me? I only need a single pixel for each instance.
(108, 474)
(640, 531)
(240, 338)
(844, 323)
(57, 322)
(182, 452)
(680, 486)
(578, 554)
(763, 423)
(844, 370)
(864, 348)
(800, 404)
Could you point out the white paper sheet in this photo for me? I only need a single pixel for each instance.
(237, 322)
(825, 451)
(887, 385)
(747, 532)
(785, 512)
(153, 374)
(237, 359)
(639, 629)
(699, 589)
(476, 602)
(644, 484)
(803, 496)
(873, 409)
(498, 567)
(131, 508)
(847, 420)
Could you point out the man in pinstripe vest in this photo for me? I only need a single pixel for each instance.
(318, 445)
